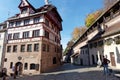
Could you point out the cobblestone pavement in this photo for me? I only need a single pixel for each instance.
(71, 72)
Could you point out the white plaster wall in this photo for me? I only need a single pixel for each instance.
(2, 35)
(76, 49)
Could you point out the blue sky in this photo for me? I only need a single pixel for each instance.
(73, 12)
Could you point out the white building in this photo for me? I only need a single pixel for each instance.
(102, 39)
(3, 31)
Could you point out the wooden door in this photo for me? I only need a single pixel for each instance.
(112, 57)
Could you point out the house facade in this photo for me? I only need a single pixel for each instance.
(101, 39)
(33, 40)
(3, 32)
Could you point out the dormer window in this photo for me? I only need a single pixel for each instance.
(24, 10)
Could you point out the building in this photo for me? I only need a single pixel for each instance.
(3, 31)
(101, 39)
(33, 40)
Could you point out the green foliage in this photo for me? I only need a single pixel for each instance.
(90, 19)
(77, 32)
(68, 48)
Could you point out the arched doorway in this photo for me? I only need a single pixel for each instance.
(18, 68)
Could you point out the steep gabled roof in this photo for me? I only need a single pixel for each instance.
(25, 3)
(49, 8)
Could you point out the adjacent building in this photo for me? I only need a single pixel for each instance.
(3, 32)
(33, 39)
(101, 39)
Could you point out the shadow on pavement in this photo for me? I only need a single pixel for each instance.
(68, 66)
(91, 75)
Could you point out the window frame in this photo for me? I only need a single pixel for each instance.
(36, 33)
(22, 48)
(29, 48)
(14, 48)
(36, 47)
(25, 35)
(32, 66)
(36, 19)
(8, 48)
(26, 21)
(16, 35)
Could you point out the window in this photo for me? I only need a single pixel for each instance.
(44, 47)
(36, 47)
(11, 65)
(9, 36)
(11, 24)
(25, 34)
(22, 48)
(54, 60)
(29, 47)
(36, 33)
(117, 39)
(95, 44)
(47, 22)
(47, 34)
(1, 27)
(48, 48)
(16, 36)
(37, 67)
(100, 43)
(108, 41)
(55, 49)
(32, 66)
(0, 36)
(0, 48)
(24, 10)
(26, 22)
(26, 66)
(36, 20)
(91, 45)
(15, 48)
(18, 23)
(8, 48)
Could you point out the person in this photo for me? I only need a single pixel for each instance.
(15, 72)
(4, 73)
(105, 65)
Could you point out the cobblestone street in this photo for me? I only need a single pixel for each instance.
(71, 72)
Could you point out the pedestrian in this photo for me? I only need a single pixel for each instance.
(14, 72)
(4, 73)
(105, 65)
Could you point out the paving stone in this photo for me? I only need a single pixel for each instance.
(71, 72)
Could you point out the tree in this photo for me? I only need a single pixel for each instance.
(68, 48)
(77, 32)
(90, 19)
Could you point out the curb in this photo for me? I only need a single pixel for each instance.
(117, 75)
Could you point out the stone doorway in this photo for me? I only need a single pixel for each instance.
(18, 68)
(112, 57)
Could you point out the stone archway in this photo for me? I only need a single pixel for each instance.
(19, 68)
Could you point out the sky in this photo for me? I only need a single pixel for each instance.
(73, 12)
